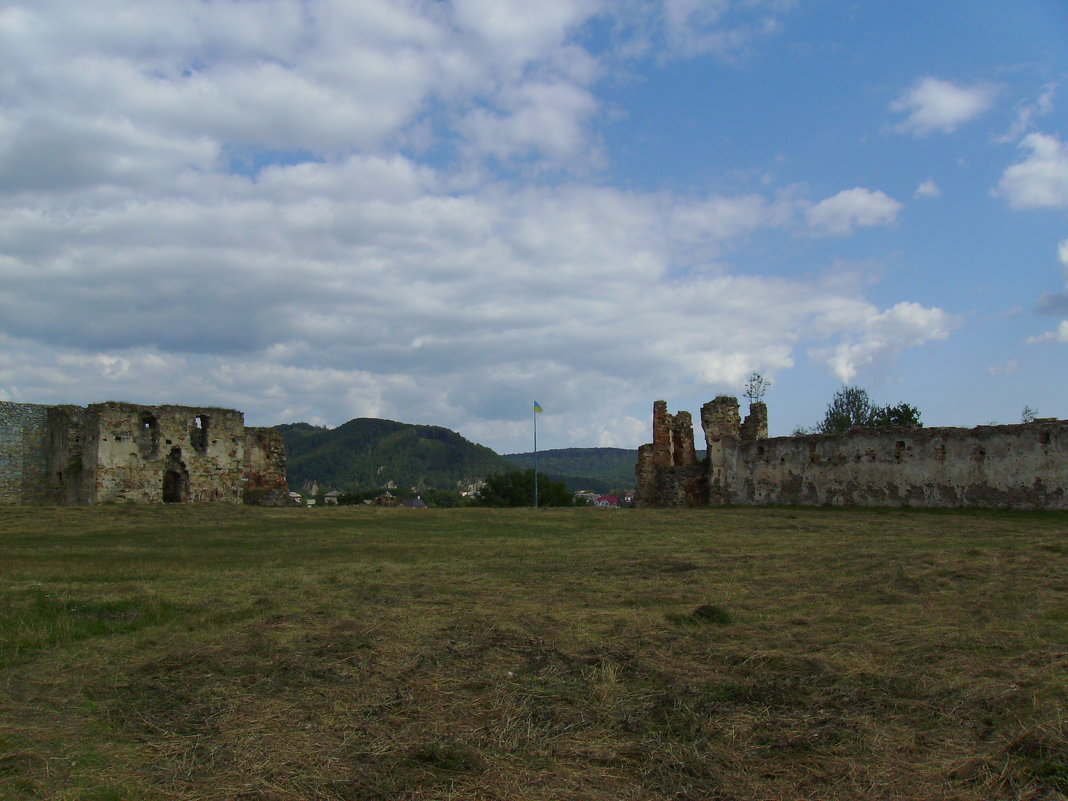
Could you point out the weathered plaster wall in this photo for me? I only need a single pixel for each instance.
(1017, 466)
(71, 476)
(150, 454)
(110, 452)
(23, 452)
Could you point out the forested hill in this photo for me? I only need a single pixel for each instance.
(366, 453)
(598, 469)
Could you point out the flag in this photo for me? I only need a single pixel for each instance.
(537, 407)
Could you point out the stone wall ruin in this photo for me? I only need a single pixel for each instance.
(112, 452)
(1021, 466)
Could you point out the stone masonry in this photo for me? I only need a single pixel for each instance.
(668, 467)
(111, 452)
(1012, 466)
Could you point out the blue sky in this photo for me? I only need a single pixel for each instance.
(438, 212)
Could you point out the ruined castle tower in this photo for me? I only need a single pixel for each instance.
(668, 472)
(722, 426)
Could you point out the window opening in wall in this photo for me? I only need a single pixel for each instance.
(148, 437)
(201, 423)
(1043, 438)
(899, 450)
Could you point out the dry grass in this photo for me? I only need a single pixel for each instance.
(354, 654)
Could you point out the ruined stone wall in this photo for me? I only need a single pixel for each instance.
(112, 452)
(71, 474)
(722, 427)
(23, 452)
(265, 467)
(668, 472)
(150, 454)
(1015, 466)
(756, 422)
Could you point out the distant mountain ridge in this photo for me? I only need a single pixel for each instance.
(597, 469)
(367, 453)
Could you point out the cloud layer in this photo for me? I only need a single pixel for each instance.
(310, 212)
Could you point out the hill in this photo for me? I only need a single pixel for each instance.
(366, 452)
(597, 469)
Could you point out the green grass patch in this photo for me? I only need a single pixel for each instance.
(231, 653)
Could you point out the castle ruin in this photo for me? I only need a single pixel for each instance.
(1021, 466)
(111, 452)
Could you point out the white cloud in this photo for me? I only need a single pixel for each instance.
(883, 335)
(852, 208)
(207, 204)
(927, 188)
(1027, 113)
(369, 287)
(935, 106)
(546, 117)
(1041, 181)
(519, 31)
(721, 27)
(1062, 255)
(1058, 335)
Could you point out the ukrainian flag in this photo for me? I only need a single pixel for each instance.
(537, 407)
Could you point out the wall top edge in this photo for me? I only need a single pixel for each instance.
(1042, 424)
(121, 405)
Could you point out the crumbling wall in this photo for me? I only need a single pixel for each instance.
(150, 454)
(756, 422)
(265, 468)
(722, 427)
(668, 472)
(111, 452)
(1017, 466)
(71, 474)
(23, 452)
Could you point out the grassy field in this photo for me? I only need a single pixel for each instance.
(240, 654)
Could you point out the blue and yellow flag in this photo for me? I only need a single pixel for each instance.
(537, 407)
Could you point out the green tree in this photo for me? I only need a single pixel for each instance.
(516, 488)
(852, 408)
(849, 408)
(904, 415)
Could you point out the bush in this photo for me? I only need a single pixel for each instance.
(516, 488)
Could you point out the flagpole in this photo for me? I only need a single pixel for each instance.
(535, 412)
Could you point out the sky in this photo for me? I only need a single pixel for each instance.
(442, 211)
